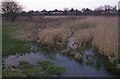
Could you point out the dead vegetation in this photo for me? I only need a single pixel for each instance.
(83, 35)
(106, 37)
(53, 35)
(102, 30)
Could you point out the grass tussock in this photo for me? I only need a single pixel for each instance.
(82, 36)
(51, 36)
(42, 69)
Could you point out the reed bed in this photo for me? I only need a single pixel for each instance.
(106, 37)
(53, 35)
(101, 29)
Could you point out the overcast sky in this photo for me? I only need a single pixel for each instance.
(61, 4)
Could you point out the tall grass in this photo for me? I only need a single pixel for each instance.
(106, 37)
(102, 30)
(82, 36)
(104, 34)
(52, 36)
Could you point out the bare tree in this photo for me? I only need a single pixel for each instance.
(10, 9)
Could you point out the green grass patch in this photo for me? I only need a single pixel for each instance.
(43, 69)
(11, 45)
(51, 68)
(13, 73)
(69, 52)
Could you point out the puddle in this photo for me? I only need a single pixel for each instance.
(73, 68)
(32, 58)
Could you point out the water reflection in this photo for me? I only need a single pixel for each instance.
(92, 64)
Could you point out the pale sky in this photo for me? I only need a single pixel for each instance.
(61, 4)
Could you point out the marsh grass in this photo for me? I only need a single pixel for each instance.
(54, 30)
(112, 68)
(83, 36)
(11, 45)
(106, 37)
(42, 69)
(52, 68)
(13, 73)
(71, 54)
(52, 37)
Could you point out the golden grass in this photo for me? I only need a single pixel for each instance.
(102, 29)
(83, 35)
(106, 37)
(53, 35)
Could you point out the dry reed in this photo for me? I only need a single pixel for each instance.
(53, 35)
(102, 29)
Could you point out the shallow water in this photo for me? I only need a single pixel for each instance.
(92, 64)
(73, 68)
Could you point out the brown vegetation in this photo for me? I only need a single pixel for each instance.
(53, 35)
(102, 30)
(106, 37)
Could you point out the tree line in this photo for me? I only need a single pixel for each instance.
(10, 10)
(102, 10)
